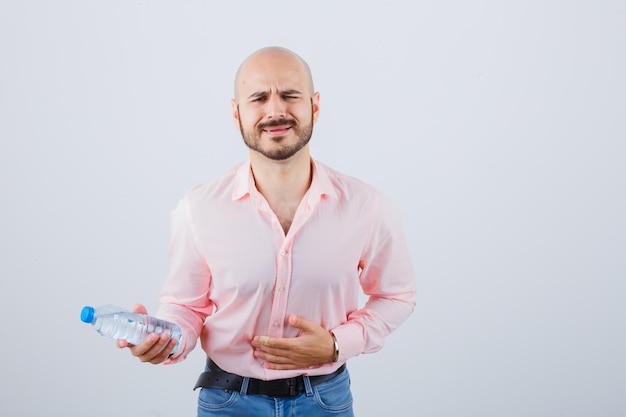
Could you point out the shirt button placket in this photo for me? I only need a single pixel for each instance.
(279, 306)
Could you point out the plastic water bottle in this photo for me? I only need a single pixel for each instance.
(117, 323)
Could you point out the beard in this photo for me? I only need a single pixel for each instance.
(252, 138)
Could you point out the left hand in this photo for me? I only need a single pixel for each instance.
(154, 349)
(314, 346)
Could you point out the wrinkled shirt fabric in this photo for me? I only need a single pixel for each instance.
(234, 274)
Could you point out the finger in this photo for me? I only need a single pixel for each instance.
(151, 347)
(302, 324)
(146, 345)
(281, 366)
(265, 341)
(159, 352)
(270, 352)
(164, 354)
(272, 345)
(269, 357)
(121, 343)
(140, 308)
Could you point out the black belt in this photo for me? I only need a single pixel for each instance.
(288, 387)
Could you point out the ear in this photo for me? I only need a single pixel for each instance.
(316, 106)
(235, 109)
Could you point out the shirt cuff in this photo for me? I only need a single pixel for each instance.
(189, 338)
(350, 340)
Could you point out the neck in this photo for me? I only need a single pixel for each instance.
(289, 179)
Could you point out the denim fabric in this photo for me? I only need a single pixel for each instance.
(331, 398)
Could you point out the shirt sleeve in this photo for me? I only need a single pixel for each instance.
(184, 297)
(388, 278)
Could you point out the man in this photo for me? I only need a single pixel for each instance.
(267, 262)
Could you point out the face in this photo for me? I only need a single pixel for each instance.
(274, 107)
(279, 147)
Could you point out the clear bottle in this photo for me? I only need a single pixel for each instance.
(117, 323)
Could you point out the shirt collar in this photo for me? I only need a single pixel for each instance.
(243, 181)
(320, 182)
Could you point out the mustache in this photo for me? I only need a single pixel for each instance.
(277, 122)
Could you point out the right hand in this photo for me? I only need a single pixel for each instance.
(154, 349)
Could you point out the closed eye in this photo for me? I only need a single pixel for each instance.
(291, 94)
(255, 98)
(262, 96)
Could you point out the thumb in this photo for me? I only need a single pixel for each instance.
(300, 323)
(140, 308)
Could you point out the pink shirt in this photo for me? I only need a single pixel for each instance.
(235, 275)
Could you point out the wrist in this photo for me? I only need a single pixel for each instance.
(335, 348)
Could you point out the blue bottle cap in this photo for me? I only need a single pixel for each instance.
(87, 314)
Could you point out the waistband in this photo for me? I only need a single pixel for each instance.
(287, 387)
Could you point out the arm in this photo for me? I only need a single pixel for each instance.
(387, 277)
(184, 296)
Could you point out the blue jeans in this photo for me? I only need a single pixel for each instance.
(330, 398)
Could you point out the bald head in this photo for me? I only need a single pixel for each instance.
(266, 61)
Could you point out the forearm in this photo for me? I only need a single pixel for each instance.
(366, 328)
(190, 324)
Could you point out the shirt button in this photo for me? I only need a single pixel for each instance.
(282, 252)
(276, 323)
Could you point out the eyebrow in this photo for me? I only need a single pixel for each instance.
(282, 92)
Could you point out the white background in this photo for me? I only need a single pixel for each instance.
(499, 127)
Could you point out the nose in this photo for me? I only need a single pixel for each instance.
(275, 107)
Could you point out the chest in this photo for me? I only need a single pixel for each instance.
(247, 251)
(285, 212)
